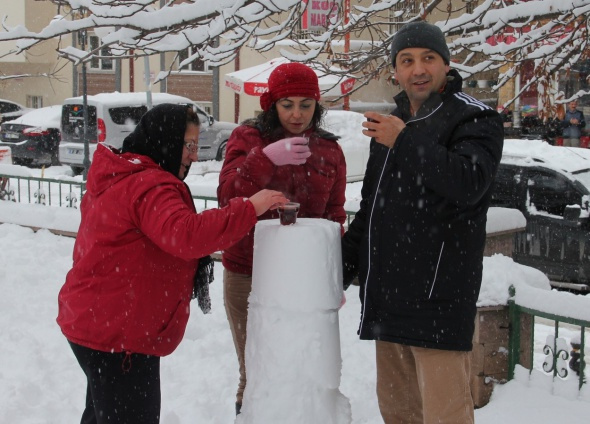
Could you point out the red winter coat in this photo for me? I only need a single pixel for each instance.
(136, 254)
(319, 185)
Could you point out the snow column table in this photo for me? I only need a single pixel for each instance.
(293, 359)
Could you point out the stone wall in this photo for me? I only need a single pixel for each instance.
(489, 360)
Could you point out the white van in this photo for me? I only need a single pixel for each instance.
(112, 116)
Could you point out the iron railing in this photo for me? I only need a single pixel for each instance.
(69, 193)
(559, 357)
(45, 191)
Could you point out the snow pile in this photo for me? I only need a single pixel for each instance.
(500, 272)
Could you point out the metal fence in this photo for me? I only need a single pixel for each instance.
(53, 192)
(44, 191)
(560, 357)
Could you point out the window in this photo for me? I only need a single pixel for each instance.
(35, 102)
(102, 62)
(72, 121)
(206, 106)
(575, 80)
(505, 190)
(7, 107)
(470, 5)
(198, 65)
(401, 12)
(551, 193)
(127, 115)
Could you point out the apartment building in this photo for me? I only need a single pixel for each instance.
(41, 79)
(44, 79)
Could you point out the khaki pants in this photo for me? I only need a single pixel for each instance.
(236, 290)
(423, 386)
(571, 142)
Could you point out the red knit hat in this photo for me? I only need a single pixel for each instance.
(290, 80)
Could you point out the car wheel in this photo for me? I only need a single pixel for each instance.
(221, 151)
(77, 170)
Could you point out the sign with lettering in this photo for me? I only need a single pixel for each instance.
(319, 13)
(5, 155)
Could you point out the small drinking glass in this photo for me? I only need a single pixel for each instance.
(288, 213)
(310, 138)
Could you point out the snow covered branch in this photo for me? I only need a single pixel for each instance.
(484, 35)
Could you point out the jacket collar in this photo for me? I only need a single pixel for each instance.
(454, 82)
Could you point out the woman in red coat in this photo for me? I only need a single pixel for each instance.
(126, 300)
(283, 149)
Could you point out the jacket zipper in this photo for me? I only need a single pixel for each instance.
(369, 242)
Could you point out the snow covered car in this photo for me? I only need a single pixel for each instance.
(112, 116)
(355, 145)
(550, 185)
(33, 137)
(11, 110)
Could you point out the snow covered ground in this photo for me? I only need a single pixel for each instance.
(40, 381)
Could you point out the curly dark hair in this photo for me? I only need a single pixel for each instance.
(271, 128)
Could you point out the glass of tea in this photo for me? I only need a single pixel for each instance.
(288, 213)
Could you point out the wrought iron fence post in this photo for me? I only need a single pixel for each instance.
(514, 340)
(582, 357)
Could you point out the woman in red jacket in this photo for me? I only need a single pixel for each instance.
(282, 149)
(125, 302)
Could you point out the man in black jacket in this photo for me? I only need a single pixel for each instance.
(417, 241)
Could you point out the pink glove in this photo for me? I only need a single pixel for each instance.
(288, 151)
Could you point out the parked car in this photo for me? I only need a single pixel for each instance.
(11, 110)
(5, 159)
(112, 116)
(355, 145)
(33, 137)
(550, 185)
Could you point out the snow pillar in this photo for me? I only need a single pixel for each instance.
(293, 358)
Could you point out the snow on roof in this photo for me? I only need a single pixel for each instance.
(537, 152)
(138, 98)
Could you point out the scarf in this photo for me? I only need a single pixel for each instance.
(203, 277)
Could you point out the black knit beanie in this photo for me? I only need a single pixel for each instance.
(160, 136)
(420, 34)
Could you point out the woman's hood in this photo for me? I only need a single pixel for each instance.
(160, 136)
(109, 167)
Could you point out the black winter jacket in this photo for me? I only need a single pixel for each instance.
(417, 240)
